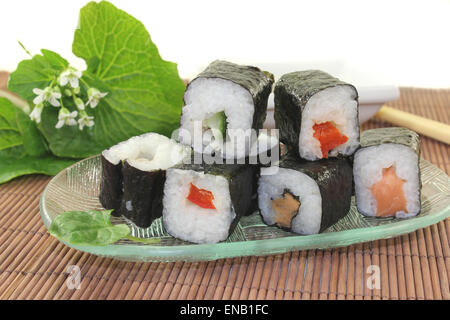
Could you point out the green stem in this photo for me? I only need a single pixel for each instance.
(25, 49)
(84, 82)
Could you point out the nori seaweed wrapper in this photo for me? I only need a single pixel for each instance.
(266, 159)
(111, 187)
(292, 93)
(243, 187)
(242, 181)
(142, 196)
(131, 192)
(397, 135)
(254, 196)
(334, 176)
(258, 83)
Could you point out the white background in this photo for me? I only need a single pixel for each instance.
(404, 43)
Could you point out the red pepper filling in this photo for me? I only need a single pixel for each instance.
(201, 197)
(328, 136)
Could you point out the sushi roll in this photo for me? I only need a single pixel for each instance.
(387, 174)
(317, 115)
(203, 203)
(133, 174)
(305, 197)
(221, 106)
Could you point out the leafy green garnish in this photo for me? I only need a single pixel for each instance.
(144, 91)
(22, 147)
(144, 94)
(91, 228)
(37, 72)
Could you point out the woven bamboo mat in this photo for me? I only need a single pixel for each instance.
(33, 265)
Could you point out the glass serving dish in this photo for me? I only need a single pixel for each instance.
(77, 188)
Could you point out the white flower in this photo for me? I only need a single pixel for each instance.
(79, 103)
(70, 75)
(48, 94)
(94, 96)
(65, 117)
(35, 115)
(85, 120)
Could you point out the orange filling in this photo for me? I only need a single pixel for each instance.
(286, 209)
(201, 197)
(328, 136)
(389, 194)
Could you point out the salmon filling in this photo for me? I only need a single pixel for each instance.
(328, 136)
(286, 209)
(201, 197)
(389, 194)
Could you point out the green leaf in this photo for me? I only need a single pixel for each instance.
(144, 92)
(10, 135)
(15, 163)
(91, 228)
(22, 147)
(16, 128)
(33, 142)
(37, 72)
(111, 126)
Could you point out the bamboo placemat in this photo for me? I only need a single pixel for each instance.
(33, 265)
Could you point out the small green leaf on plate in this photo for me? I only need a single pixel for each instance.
(91, 228)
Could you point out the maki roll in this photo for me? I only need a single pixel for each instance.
(387, 174)
(221, 105)
(203, 203)
(317, 115)
(133, 174)
(305, 197)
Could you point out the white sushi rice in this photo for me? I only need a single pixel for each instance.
(187, 221)
(272, 186)
(147, 152)
(337, 105)
(208, 96)
(368, 169)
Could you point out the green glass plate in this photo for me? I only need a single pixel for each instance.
(77, 188)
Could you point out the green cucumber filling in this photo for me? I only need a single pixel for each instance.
(218, 126)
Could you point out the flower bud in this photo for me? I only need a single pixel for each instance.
(76, 90)
(79, 103)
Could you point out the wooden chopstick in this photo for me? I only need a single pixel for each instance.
(431, 128)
